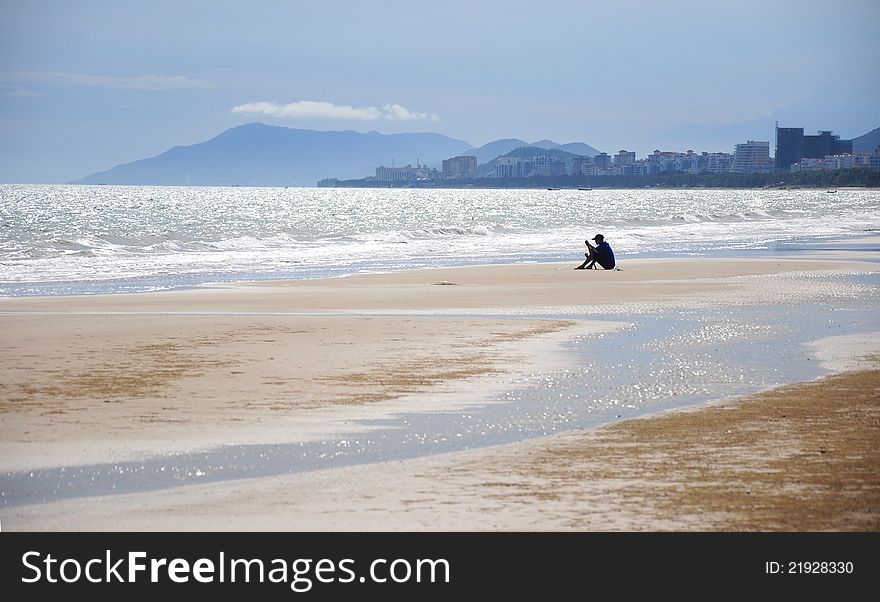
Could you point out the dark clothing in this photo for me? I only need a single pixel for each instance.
(605, 256)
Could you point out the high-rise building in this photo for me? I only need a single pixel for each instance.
(719, 162)
(789, 147)
(602, 160)
(580, 164)
(751, 156)
(545, 165)
(624, 158)
(826, 143)
(792, 146)
(460, 167)
(513, 167)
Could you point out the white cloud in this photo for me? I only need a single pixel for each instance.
(141, 82)
(318, 109)
(308, 109)
(396, 112)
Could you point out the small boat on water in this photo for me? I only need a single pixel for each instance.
(554, 189)
(584, 188)
(831, 191)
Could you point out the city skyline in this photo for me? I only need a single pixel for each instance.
(796, 152)
(264, 155)
(82, 89)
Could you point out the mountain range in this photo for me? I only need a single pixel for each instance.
(264, 155)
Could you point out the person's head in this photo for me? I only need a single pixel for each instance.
(599, 238)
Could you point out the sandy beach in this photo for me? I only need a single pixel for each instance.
(113, 378)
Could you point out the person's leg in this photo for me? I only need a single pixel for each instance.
(589, 262)
(592, 257)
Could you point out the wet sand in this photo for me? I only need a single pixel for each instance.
(87, 389)
(109, 378)
(800, 458)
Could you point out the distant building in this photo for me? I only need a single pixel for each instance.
(395, 174)
(460, 167)
(688, 162)
(513, 167)
(405, 174)
(516, 167)
(719, 162)
(660, 161)
(545, 165)
(624, 158)
(580, 166)
(602, 161)
(751, 157)
(789, 147)
(807, 165)
(840, 161)
(637, 168)
(659, 155)
(826, 143)
(792, 146)
(871, 159)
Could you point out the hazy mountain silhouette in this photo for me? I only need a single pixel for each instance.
(498, 148)
(579, 148)
(263, 155)
(867, 142)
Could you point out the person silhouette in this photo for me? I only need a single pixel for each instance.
(601, 254)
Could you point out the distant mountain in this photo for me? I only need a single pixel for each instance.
(580, 148)
(575, 148)
(527, 153)
(545, 144)
(530, 152)
(263, 155)
(497, 148)
(867, 142)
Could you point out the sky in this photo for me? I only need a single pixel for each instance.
(87, 85)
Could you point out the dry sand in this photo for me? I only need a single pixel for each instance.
(106, 378)
(652, 282)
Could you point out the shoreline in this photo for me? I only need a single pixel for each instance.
(362, 349)
(811, 248)
(669, 272)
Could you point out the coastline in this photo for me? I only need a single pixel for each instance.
(120, 376)
(268, 234)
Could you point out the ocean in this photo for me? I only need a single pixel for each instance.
(59, 239)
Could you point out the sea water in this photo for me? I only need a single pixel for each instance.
(98, 239)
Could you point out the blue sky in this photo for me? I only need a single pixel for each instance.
(89, 84)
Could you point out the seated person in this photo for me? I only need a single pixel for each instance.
(601, 254)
